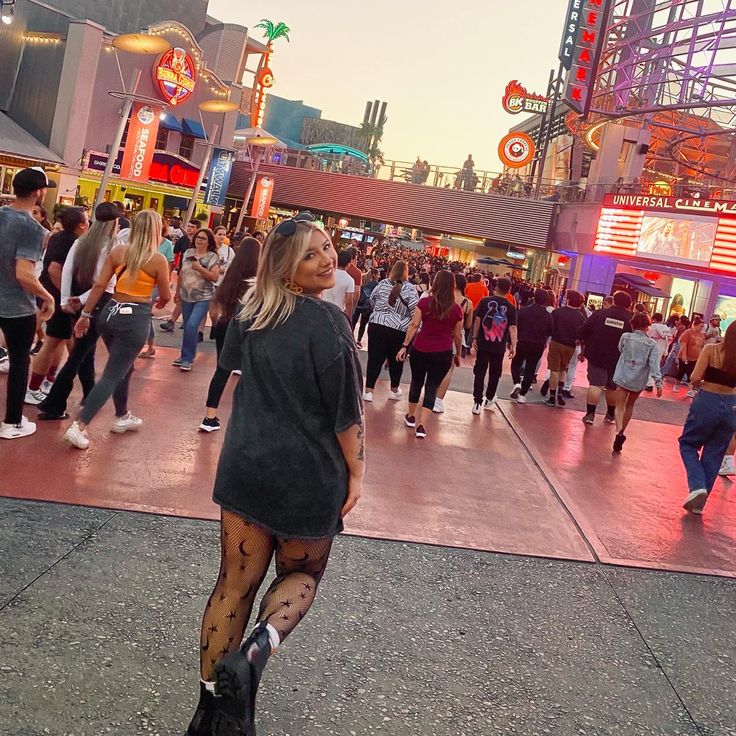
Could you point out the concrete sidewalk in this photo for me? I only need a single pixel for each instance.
(101, 610)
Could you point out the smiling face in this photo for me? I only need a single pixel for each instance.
(316, 270)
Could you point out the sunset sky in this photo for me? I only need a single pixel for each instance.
(442, 67)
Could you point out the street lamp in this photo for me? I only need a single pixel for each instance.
(132, 43)
(7, 11)
(222, 106)
(257, 142)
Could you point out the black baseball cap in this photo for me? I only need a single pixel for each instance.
(107, 212)
(31, 179)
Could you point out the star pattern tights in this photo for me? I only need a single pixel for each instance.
(245, 556)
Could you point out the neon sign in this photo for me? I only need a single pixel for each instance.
(516, 99)
(175, 75)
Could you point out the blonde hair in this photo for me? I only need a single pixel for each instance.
(270, 303)
(143, 242)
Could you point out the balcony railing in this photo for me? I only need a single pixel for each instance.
(504, 183)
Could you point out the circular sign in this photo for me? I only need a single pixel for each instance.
(265, 78)
(516, 150)
(514, 103)
(146, 115)
(176, 76)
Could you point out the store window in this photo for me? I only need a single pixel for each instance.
(186, 147)
(162, 139)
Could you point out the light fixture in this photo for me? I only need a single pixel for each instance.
(140, 43)
(218, 106)
(7, 11)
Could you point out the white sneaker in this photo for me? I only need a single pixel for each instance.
(395, 395)
(727, 466)
(520, 399)
(691, 394)
(34, 398)
(76, 437)
(4, 365)
(126, 424)
(13, 431)
(675, 388)
(367, 395)
(46, 387)
(238, 373)
(439, 406)
(476, 408)
(489, 403)
(695, 501)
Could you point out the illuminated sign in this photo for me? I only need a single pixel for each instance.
(516, 150)
(591, 32)
(690, 232)
(262, 197)
(142, 132)
(176, 76)
(516, 99)
(165, 168)
(570, 32)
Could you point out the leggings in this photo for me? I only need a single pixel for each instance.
(124, 330)
(362, 319)
(81, 362)
(383, 344)
(19, 333)
(427, 371)
(245, 556)
(220, 377)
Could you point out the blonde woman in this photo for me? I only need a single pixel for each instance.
(291, 467)
(123, 323)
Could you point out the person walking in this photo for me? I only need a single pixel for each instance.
(59, 326)
(342, 293)
(566, 324)
(601, 334)
(393, 303)
(21, 244)
(229, 294)
(123, 323)
(711, 421)
(494, 330)
(181, 246)
(291, 467)
(81, 270)
(662, 335)
(200, 269)
(534, 328)
(476, 290)
(692, 342)
(638, 360)
(363, 308)
(437, 324)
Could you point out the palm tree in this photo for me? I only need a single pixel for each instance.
(373, 134)
(272, 32)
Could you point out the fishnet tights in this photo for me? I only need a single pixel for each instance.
(245, 555)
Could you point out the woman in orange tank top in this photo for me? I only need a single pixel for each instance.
(124, 322)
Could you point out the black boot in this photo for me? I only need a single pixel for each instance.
(237, 677)
(201, 724)
(544, 389)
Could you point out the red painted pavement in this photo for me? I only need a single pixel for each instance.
(469, 485)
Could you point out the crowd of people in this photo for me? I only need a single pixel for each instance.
(284, 310)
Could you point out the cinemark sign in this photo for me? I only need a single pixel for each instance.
(582, 43)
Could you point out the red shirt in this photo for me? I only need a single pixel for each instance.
(435, 335)
(475, 291)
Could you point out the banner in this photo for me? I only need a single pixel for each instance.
(218, 176)
(142, 132)
(262, 197)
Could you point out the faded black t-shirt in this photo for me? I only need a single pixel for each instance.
(56, 252)
(281, 465)
(496, 314)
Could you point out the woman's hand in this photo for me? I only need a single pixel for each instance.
(82, 327)
(176, 298)
(355, 489)
(401, 355)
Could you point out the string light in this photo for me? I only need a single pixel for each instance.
(42, 39)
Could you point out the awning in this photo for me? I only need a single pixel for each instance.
(652, 291)
(16, 142)
(169, 122)
(640, 284)
(194, 128)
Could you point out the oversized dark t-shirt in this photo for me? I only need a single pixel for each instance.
(281, 465)
(56, 252)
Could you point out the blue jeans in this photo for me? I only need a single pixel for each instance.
(193, 313)
(709, 427)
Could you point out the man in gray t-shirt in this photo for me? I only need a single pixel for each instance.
(21, 245)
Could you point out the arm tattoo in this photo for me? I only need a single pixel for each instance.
(361, 440)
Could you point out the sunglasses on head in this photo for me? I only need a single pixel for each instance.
(288, 227)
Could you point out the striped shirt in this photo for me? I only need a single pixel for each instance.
(399, 316)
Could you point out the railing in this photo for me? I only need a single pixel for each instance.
(501, 183)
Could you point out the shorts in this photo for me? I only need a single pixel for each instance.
(60, 325)
(602, 377)
(559, 356)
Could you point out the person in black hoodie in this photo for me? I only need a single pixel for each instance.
(534, 324)
(566, 323)
(600, 334)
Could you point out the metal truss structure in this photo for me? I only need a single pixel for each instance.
(671, 65)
